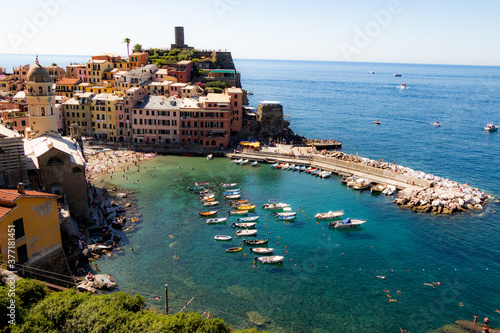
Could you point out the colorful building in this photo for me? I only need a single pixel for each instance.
(138, 59)
(103, 107)
(181, 71)
(66, 87)
(29, 220)
(77, 71)
(77, 111)
(155, 120)
(123, 113)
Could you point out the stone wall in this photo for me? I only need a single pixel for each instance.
(12, 162)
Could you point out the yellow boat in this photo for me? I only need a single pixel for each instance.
(246, 207)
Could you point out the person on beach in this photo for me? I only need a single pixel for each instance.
(486, 321)
(475, 319)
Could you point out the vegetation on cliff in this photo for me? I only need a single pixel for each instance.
(38, 310)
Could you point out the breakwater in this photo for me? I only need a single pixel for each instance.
(419, 191)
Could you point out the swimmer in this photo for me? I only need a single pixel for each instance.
(430, 284)
(497, 310)
(176, 257)
(381, 277)
(393, 300)
(436, 283)
(171, 236)
(461, 304)
(399, 293)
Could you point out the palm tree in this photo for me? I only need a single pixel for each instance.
(137, 48)
(127, 41)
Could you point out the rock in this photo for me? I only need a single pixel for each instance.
(241, 292)
(436, 203)
(116, 238)
(173, 245)
(440, 209)
(469, 206)
(478, 207)
(102, 281)
(446, 210)
(461, 202)
(257, 318)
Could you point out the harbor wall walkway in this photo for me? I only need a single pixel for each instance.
(337, 166)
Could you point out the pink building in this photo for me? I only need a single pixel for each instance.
(77, 71)
(123, 113)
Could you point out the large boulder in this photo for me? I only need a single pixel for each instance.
(257, 318)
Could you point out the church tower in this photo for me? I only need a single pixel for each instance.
(40, 96)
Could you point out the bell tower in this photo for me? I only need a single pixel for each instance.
(40, 97)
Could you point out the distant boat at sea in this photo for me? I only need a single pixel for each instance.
(491, 128)
(397, 75)
(371, 72)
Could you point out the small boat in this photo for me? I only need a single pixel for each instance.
(244, 225)
(235, 161)
(376, 122)
(121, 195)
(254, 163)
(207, 199)
(491, 128)
(275, 206)
(274, 165)
(209, 213)
(246, 232)
(234, 249)
(315, 172)
(247, 207)
(216, 220)
(286, 166)
(245, 161)
(436, 124)
(397, 75)
(232, 191)
(238, 212)
(248, 219)
(239, 202)
(285, 214)
(347, 223)
(371, 72)
(377, 189)
(361, 185)
(280, 165)
(403, 86)
(389, 190)
(270, 259)
(201, 183)
(311, 170)
(210, 156)
(346, 179)
(262, 250)
(303, 168)
(296, 168)
(210, 203)
(286, 217)
(222, 238)
(233, 196)
(256, 241)
(197, 188)
(292, 167)
(207, 196)
(325, 174)
(229, 185)
(329, 215)
(238, 161)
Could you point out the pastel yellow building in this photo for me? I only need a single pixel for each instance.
(29, 225)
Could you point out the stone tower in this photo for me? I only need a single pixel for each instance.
(179, 35)
(40, 97)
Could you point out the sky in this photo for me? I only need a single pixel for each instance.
(459, 32)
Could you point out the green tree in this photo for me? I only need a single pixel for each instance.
(137, 48)
(217, 84)
(54, 64)
(127, 41)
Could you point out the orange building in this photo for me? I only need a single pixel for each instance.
(138, 59)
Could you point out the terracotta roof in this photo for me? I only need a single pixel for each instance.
(13, 195)
(4, 211)
(66, 80)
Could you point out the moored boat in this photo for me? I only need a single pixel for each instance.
(347, 223)
(247, 207)
(201, 183)
(244, 225)
(311, 170)
(246, 232)
(197, 188)
(229, 184)
(233, 196)
(210, 156)
(222, 238)
(389, 190)
(274, 165)
(270, 259)
(377, 189)
(238, 212)
(245, 161)
(234, 249)
(325, 174)
(275, 206)
(248, 219)
(208, 213)
(210, 203)
(256, 241)
(329, 215)
(262, 250)
(302, 168)
(254, 163)
(286, 217)
(285, 214)
(216, 220)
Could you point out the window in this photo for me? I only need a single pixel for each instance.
(77, 170)
(22, 254)
(19, 226)
(54, 161)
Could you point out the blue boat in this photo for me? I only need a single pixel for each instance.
(274, 165)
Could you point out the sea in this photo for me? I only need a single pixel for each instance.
(400, 270)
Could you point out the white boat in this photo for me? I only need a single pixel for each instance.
(402, 86)
(286, 214)
(371, 72)
(270, 259)
(347, 223)
(286, 166)
(436, 124)
(274, 165)
(246, 232)
(210, 203)
(262, 250)
(208, 196)
(238, 161)
(121, 195)
(491, 128)
(210, 156)
(229, 184)
(329, 215)
(233, 196)
(325, 174)
(248, 219)
(244, 161)
(376, 122)
(222, 238)
(216, 220)
(275, 206)
(291, 167)
(254, 163)
(389, 190)
(296, 168)
(244, 225)
(286, 217)
(361, 185)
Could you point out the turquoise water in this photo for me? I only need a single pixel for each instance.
(328, 281)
